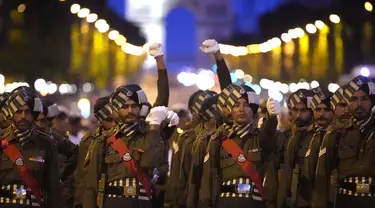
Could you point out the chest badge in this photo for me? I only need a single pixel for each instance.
(37, 159)
(19, 162)
(127, 157)
(241, 158)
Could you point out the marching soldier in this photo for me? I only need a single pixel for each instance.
(28, 166)
(67, 151)
(122, 165)
(210, 119)
(243, 151)
(324, 189)
(355, 154)
(295, 147)
(176, 194)
(107, 126)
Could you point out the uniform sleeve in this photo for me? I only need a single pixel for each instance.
(91, 188)
(80, 176)
(67, 176)
(223, 74)
(209, 175)
(162, 98)
(174, 173)
(271, 184)
(151, 149)
(320, 192)
(268, 134)
(287, 170)
(53, 180)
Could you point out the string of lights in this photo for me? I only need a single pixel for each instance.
(102, 26)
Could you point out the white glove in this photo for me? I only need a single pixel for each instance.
(173, 118)
(210, 46)
(273, 107)
(155, 50)
(157, 115)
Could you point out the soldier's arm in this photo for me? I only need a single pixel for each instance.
(162, 98)
(151, 148)
(268, 134)
(93, 172)
(209, 175)
(287, 170)
(53, 179)
(222, 71)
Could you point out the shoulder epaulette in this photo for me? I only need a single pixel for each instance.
(45, 137)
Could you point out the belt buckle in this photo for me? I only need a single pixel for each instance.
(20, 194)
(243, 188)
(130, 191)
(362, 188)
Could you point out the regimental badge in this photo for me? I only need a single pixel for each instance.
(359, 82)
(129, 94)
(19, 162)
(241, 158)
(242, 91)
(127, 157)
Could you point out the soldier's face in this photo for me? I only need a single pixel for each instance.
(23, 118)
(342, 113)
(227, 117)
(43, 123)
(360, 105)
(108, 123)
(301, 114)
(323, 115)
(129, 113)
(242, 113)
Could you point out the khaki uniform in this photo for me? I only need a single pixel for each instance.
(219, 186)
(294, 183)
(118, 177)
(40, 154)
(182, 145)
(324, 193)
(85, 146)
(355, 166)
(274, 169)
(198, 154)
(67, 156)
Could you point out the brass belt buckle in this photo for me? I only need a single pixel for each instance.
(243, 188)
(130, 191)
(362, 188)
(20, 194)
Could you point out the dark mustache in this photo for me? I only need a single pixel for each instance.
(322, 119)
(359, 110)
(22, 121)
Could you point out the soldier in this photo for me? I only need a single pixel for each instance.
(243, 150)
(210, 120)
(324, 117)
(29, 165)
(176, 193)
(121, 166)
(324, 191)
(355, 154)
(67, 151)
(107, 126)
(302, 115)
(60, 123)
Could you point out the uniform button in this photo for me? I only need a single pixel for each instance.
(361, 150)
